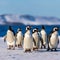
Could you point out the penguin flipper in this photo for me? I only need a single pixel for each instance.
(58, 41)
(5, 38)
(49, 38)
(13, 32)
(41, 40)
(34, 42)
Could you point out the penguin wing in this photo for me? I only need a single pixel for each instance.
(58, 41)
(16, 36)
(13, 32)
(34, 42)
(5, 38)
(41, 40)
(49, 38)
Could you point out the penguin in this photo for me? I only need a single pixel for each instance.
(10, 38)
(19, 38)
(43, 35)
(28, 40)
(36, 39)
(53, 39)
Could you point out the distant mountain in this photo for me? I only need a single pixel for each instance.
(28, 19)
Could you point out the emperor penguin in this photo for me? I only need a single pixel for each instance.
(19, 38)
(43, 35)
(36, 39)
(53, 39)
(10, 38)
(28, 40)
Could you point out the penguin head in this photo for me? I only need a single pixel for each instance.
(56, 29)
(19, 29)
(10, 28)
(35, 30)
(28, 28)
(43, 27)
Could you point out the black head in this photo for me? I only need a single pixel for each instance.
(10, 28)
(35, 30)
(43, 27)
(19, 29)
(28, 28)
(56, 29)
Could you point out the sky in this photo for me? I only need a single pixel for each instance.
(49, 8)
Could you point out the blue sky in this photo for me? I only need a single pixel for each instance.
(32, 7)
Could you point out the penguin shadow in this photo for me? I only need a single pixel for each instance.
(42, 50)
(58, 49)
(19, 48)
(45, 50)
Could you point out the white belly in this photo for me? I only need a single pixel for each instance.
(12, 43)
(19, 40)
(36, 38)
(44, 37)
(53, 42)
(28, 42)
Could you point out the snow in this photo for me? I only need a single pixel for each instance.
(18, 53)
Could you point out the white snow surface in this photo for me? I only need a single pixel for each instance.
(18, 53)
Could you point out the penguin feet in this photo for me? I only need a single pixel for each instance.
(35, 49)
(41, 47)
(48, 49)
(51, 49)
(15, 45)
(55, 49)
(27, 50)
(44, 46)
(19, 46)
(11, 47)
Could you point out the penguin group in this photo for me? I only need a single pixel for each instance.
(32, 40)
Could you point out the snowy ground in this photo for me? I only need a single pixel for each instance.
(18, 54)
